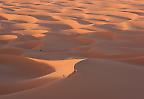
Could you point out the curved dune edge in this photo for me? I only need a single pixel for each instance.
(94, 78)
(58, 69)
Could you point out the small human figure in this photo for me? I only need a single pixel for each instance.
(75, 70)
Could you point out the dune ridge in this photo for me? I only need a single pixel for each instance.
(27, 73)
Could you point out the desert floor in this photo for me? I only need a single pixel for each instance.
(71, 49)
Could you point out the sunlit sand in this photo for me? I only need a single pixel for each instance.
(71, 49)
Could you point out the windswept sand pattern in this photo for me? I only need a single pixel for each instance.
(48, 33)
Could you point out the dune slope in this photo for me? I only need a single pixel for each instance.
(71, 49)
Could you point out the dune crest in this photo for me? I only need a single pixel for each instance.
(63, 68)
(27, 73)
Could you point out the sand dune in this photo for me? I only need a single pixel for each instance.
(94, 79)
(71, 49)
(7, 37)
(20, 73)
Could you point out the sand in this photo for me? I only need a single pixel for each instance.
(71, 49)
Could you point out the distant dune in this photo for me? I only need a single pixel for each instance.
(71, 49)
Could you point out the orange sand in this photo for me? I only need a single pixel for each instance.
(71, 49)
